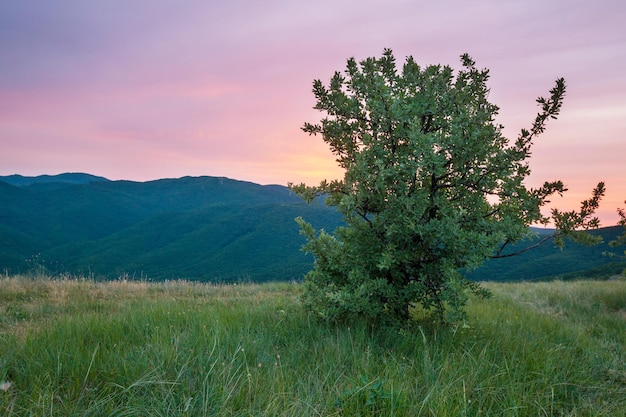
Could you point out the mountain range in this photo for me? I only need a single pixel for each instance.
(199, 228)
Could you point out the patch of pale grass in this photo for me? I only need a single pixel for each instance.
(567, 297)
(586, 318)
(27, 302)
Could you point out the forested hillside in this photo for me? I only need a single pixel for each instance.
(202, 228)
(548, 262)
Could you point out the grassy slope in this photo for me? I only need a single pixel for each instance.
(77, 347)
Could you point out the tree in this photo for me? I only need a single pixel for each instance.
(431, 188)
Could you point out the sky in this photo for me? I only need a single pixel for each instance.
(148, 89)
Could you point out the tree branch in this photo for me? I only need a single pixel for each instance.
(499, 255)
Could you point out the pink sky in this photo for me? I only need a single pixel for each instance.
(148, 89)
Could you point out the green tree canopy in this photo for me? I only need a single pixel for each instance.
(431, 188)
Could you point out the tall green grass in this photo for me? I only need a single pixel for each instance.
(82, 348)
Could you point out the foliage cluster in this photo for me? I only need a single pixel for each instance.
(85, 348)
(431, 187)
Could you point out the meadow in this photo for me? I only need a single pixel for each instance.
(78, 347)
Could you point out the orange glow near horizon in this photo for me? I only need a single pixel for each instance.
(206, 88)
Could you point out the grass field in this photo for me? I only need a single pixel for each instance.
(75, 347)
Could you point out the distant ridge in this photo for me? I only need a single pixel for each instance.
(547, 262)
(66, 178)
(198, 228)
(206, 229)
